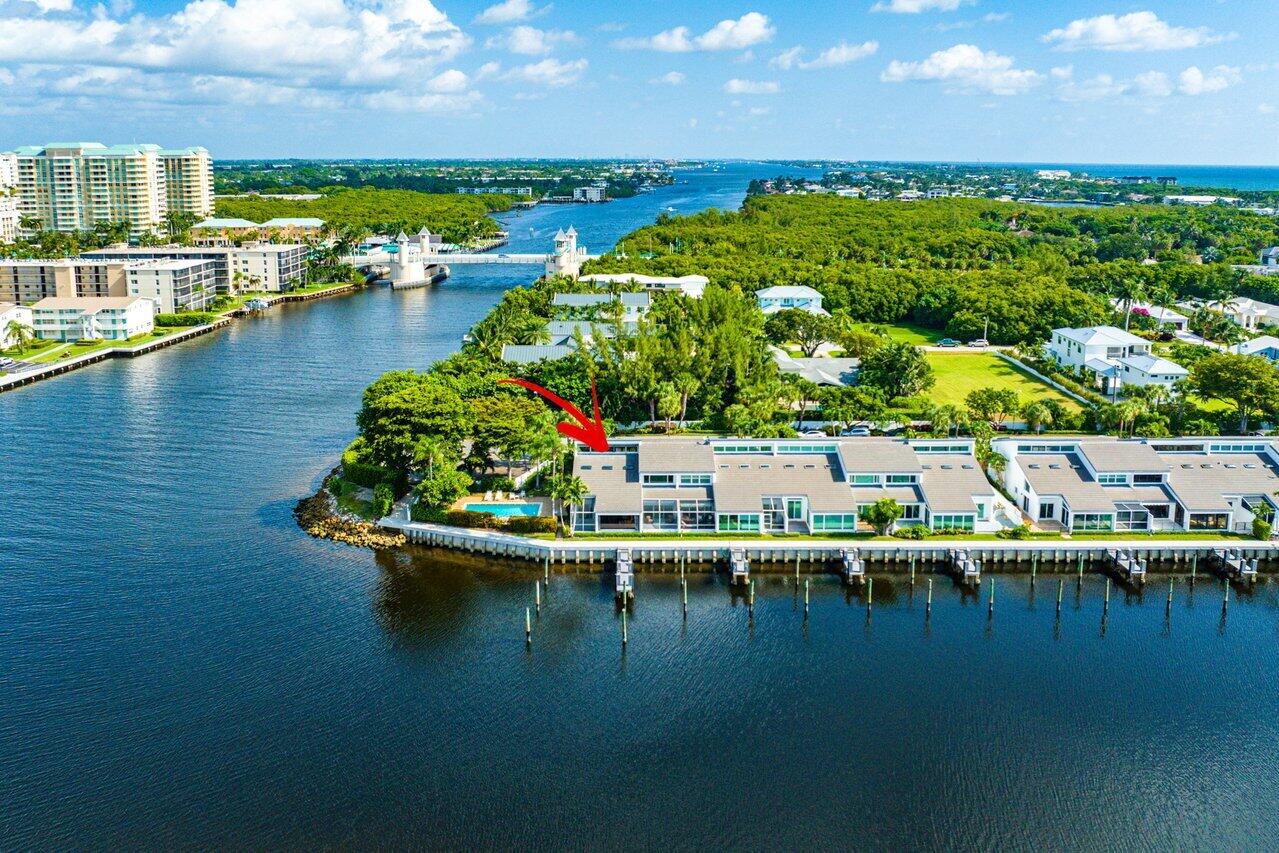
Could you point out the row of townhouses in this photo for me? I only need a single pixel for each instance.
(1091, 483)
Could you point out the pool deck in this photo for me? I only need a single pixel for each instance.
(470, 501)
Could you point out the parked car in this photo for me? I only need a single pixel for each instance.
(856, 431)
(6, 362)
(948, 342)
(980, 342)
(813, 433)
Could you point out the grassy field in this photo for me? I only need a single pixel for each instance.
(75, 350)
(959, 373)
(907, 333)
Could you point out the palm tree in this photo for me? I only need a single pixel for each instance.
(20, 333)
(571, 491)
(1130, 290)
(1037, 416)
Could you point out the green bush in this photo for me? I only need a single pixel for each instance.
(915, 531)
(1021, 531)
(428, 514)
(531, 524)
(367, 474)
(1261, 529)
(383, 499)
(470, 518)
(952, 531)
(186, 318)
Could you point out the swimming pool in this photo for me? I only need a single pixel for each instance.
(506, 510)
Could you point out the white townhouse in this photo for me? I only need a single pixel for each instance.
(1147, 484)
(1114, 357)
(76, 318)
(1242, 311)
(784, 297)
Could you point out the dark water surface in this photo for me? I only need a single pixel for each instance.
(180, 666)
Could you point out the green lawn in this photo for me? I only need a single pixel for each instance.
(907, 333)
(77, 349)
(959, 373)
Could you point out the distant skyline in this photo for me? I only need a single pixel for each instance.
(940, 80)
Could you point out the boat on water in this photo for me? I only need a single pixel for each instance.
(256, 305)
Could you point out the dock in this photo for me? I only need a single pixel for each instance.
(852, 567)
(624, 577)
(739, 566)
(1233, 565)
(967, 570)
(1127, 565)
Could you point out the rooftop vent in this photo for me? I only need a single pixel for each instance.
(966, 467)
(947, 467)
(1249, 465)
(1034, 465)
(583, 467)
(1054, 467)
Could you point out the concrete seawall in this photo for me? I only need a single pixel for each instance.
(781, 554)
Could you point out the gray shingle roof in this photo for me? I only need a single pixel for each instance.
(1061, 474)
(878, 456)
(1122, 457)
(1202, 480)
(950, 482)
(742, 481)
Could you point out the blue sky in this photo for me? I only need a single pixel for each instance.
(1073, 81)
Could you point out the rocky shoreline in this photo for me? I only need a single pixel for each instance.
(320, 517)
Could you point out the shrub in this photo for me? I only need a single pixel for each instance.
(367, 474)
(952, 531)
(531, 524)
(470, 518)
(186, 318)
(1261, 529)
(428, 514)
(915, 531)
(383, 499)
(1021, 531)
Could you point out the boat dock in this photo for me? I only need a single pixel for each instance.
(781, 555)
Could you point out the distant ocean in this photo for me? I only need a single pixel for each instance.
(1224, 177)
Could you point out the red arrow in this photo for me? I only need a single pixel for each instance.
(591, 433)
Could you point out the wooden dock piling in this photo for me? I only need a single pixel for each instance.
(528, 627)
(1061, 587)
(928, 604)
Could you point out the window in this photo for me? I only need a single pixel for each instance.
(1047, 511)
(1147, 479)
(1237, 448)
(694, 479)
(661, 515)
(774, 513)
(952, 449)
(834, 521)
(697, 515)
(1092, 521)
(1113, 479)
(659, 480)
(743, 448)
(953, 522)
(1208, 521)
(911, 512)
(731, 522)
(866, 480)
(901, 479)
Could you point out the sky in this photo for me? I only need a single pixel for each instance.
(1072, 81)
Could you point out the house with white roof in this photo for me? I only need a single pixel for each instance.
(1242, 311)
(1266, 346)
(691, 286)
(634, 305)
(1114, 356)
(821, 371)
(784, 297)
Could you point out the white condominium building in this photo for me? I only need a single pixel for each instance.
(8, 197)
(188, 180)
(73, 186)
(174, 284)
(112, 318)
(10, 313)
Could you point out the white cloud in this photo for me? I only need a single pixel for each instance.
(530, 41)
(548, 72)
(737, 86)
(966, 67)
(1098, 88)
(1062, 72)
(317, 52)
(1264, 109)
(670, 78)
(1192, 81)
(914, 7)
(53, 5)
(841, 54)
(1136, 31)
(1152, 84)
(750, 29)
(506, 12)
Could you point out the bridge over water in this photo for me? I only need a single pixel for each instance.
(418, 260)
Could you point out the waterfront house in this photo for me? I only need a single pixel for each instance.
(633, 305)
(784, 297)
(691, 286)
(76, 318)
(10, 313)
(1103, 483)
(727, 485)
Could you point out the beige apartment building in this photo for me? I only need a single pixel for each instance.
(27, 281)
(73, 186)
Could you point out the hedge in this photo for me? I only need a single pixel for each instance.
(531, 524)
(186, 318)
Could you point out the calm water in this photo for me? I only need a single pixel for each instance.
(179, 666)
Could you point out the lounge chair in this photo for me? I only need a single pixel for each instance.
(488, 496)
